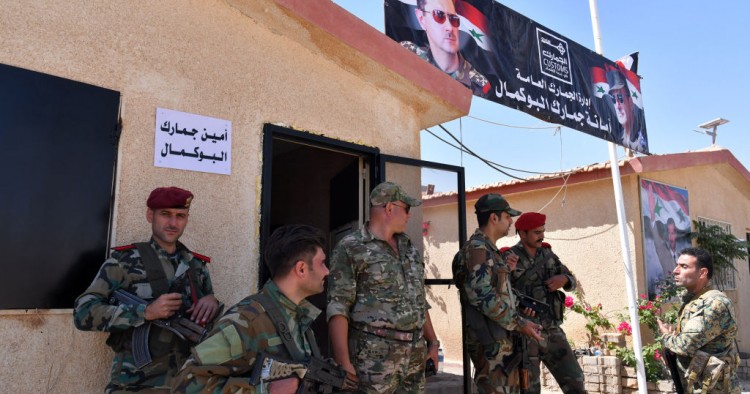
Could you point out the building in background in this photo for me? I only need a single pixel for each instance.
(582, 224)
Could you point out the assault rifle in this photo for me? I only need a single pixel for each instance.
(671, 360)
(316, 375)
(184, 328)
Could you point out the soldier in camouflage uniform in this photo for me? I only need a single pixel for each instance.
(482, 277)
(378, 316)
(190, 291)
(704, 339)
(540, 275)
(223, 362)
(439, 20)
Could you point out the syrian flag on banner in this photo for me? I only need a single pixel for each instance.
(599, 80)
(629, 67)
(669, 202)
(474, 23)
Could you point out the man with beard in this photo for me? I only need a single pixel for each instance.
(482, 277)
(703, 343)
(378, 315)
(539, 274)
(167, 275)
(275, 321)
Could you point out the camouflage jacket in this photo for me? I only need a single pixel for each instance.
(224, 361)
(466, 73)
(487, 284)
(707, 323)
(371, 284)
(93, 310)
(532, 284)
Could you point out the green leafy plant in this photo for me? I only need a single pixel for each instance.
(723, 246)
(652, 363)
(595, 319)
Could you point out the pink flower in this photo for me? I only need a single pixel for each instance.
(657, 354)
(643, 296)
(625, 328)
(599, 306)
(568, 301)
(588, 309)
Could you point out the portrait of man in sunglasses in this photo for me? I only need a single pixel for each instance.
(628, 115)
(439, 20)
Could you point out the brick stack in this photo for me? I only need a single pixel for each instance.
(602, 374)
(743, 372)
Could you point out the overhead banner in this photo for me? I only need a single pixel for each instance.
(507, 58)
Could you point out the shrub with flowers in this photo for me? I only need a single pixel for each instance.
(649, 311)
(594, 318)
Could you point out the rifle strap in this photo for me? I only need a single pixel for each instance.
(520, 283)
(283, 329)
(154, 271)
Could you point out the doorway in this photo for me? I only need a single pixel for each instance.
(313, 180)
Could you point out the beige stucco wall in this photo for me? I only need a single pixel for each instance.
(251, 62)
(582, 229)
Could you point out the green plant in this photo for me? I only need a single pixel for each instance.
(594, 318)
(652, 363)
(723, 246)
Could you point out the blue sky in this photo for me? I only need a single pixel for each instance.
(693, 60)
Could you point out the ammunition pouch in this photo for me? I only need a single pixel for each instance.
(557, 305)
(707, 370)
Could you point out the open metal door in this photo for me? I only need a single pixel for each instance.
(438, 229)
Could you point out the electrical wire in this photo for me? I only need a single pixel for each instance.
(511, 126)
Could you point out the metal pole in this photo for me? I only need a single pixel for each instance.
(624, 245)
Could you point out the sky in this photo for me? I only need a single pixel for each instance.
(693, 60)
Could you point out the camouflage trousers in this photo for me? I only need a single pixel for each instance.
(555, 352)
(386, 365)
(488, 368)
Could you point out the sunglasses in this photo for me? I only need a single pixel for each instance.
(440, 16)
(407, 208)
(617, 97)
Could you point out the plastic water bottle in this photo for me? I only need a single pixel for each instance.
(441, 360)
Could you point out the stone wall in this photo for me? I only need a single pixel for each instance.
(606, 374)
(743, 372)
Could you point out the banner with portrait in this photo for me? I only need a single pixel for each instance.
(666, 229)
(507, 58)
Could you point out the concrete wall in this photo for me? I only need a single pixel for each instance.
(251, 62)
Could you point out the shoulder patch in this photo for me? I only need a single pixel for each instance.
(124, 247)
(546, 245)
(201, 257)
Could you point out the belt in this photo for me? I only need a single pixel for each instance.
(390, 333)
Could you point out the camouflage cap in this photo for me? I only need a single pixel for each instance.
(494, 203)
(388, 192)
(169, 197)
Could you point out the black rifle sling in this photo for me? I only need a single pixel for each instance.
(154, 271)
(283, 329)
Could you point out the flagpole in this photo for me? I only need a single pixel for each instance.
(617, 184)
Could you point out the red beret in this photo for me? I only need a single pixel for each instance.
(169, 197)
(530, 220)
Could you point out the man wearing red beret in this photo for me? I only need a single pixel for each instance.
(171, 278)
(539, 274)
(482, 275)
